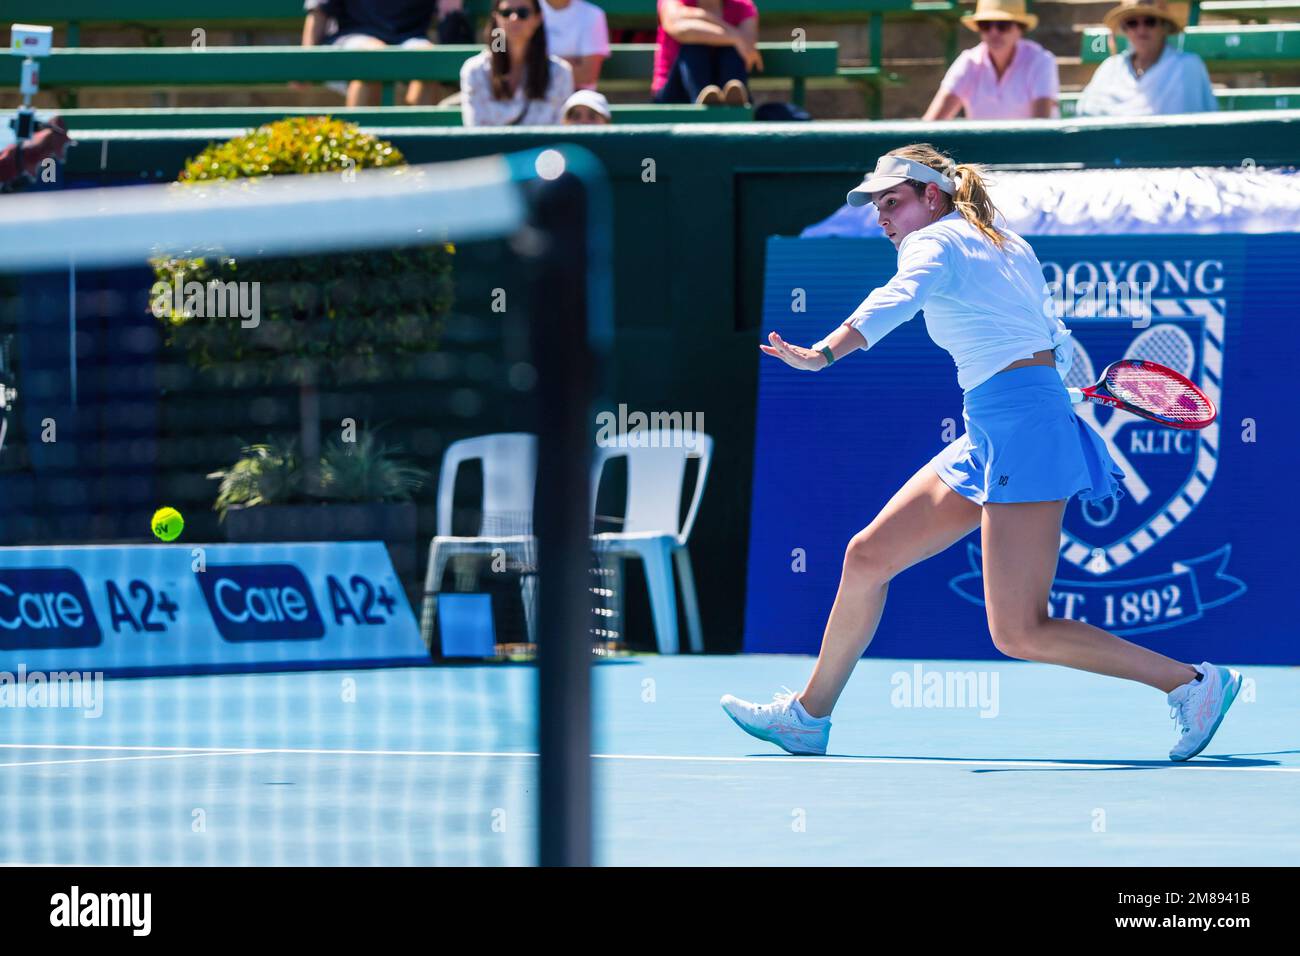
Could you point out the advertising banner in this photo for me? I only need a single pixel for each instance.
(147, 609)
(1193, 560)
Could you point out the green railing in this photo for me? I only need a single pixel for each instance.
(81, 121)
(1279, 98)
(164, 67)
(1244, 48)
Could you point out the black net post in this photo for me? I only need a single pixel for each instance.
(556, 238)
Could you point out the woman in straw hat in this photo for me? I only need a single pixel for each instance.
(1005, 76)
(1024, 455)
(1150, 77)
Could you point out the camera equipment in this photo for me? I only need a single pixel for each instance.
(30, 42)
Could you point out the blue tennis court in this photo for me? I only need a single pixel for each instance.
(436, 765)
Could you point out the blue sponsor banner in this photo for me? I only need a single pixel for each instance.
(260, 602)
(46, 607)
(1191, 562)
(181, 608)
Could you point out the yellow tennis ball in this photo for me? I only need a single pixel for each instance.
(167, 523)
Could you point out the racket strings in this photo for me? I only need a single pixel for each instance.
(1158, 393)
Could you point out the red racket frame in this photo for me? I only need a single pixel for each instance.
(1090, 393)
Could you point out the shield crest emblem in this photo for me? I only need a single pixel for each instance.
(1168, 472)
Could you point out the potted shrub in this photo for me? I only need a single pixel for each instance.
(324, 319)
(364, 493)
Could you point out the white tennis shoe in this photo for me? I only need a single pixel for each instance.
(1199, 707)
(780, 722)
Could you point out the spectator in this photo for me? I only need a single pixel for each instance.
(514, 82)
(1151, 77)
(371, 25)
(453, 25)
(705, 51)
(576, 31)
(633, 35)
(21, 162)
(1004, 76)
(587, 108)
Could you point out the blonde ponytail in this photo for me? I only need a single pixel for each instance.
(971, 199)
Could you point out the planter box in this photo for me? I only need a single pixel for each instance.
(390, 522)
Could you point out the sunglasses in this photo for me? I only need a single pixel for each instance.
(520, 13)
(1148, 22)
(998, 26)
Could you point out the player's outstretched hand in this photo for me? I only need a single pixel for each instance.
(794, 355)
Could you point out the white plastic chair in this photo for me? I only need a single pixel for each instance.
(655, 479)
(509, 480)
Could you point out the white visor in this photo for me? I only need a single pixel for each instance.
(594, 101)
(892, 170)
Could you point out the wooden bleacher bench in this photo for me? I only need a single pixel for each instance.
(870, 80)
(273, 12)
(153, 15)
(248, 117)
(1279, 98)
(1258, 10)
(635, 61)
(163, 67)
(1223, 48)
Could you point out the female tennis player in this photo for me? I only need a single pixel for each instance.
(1023, 455)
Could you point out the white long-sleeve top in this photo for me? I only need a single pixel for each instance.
(478, 108)
(987, 307)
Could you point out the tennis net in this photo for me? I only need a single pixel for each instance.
(230, 405)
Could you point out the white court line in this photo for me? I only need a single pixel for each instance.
(775, 759)
(274, 750)
(176, 756)
(1081, 763)
(78, 865)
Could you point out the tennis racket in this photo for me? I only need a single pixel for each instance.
(1151, 391)
(1079, 377)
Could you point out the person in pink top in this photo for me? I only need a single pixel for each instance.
(1005, 76)
(705, 51)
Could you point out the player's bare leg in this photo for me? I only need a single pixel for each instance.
(1021, 544)
(923, 517)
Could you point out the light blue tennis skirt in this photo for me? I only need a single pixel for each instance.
(1023, 442)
